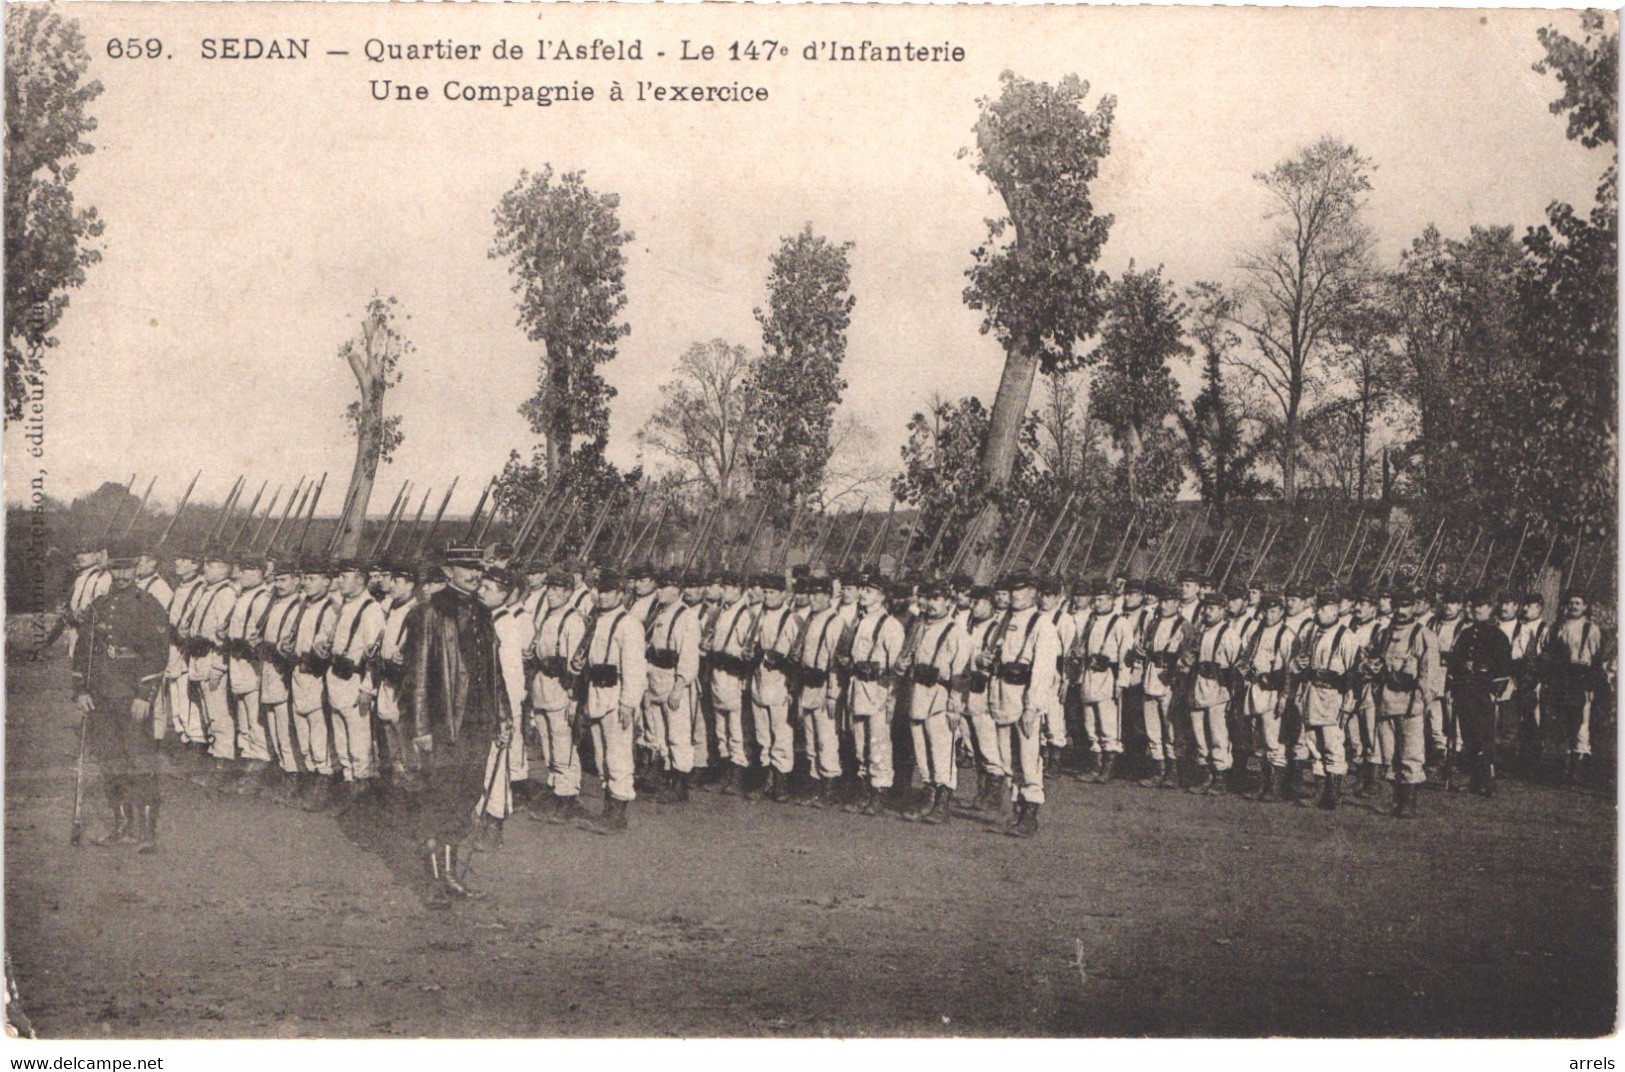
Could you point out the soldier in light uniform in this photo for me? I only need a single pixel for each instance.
(1164, 638)
(1361, 734)
(358, 630)
(1410, 674)
(640, 604)
(275, 635)
(1265, 665)
(310, 648)
(814, 662)
(673, 698)
(91, 581)
(1029, 651)
(1529, 640)
(205, 630)
(150, 581)
(1102, 640)
(1053, 603)
(773, 639)
(984, 630)
(1131, 675)
(1444, 733)
(559, 632)
(1575, 671)
(617, 677)
(185, 718)
(400, 588)
(941, 654)
(1213, 656)
(877, 643)
(1325, 653)
(500, 590)
(730, 672)
(118, 664)
(243, 625)
(1190, 598)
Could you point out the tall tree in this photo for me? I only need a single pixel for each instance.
(705, 418)
(1219, 451)
(374, 357)
(564, 244)
(1034, 279)
(1069, 441)
(1302, 281)
(47, 238)
(797, 381)
(1134, 393)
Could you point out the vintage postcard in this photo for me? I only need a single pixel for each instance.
(709, 521)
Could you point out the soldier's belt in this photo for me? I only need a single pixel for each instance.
(1133, 658)
(392, 672)
(972, 681)
(197, 647)
(314, 664)
(1400, 680)
(344, 668)
(866, 670)
(661, 658)
(1329, 679)
(774, 660)
(603, 675)
(1099, 663)
(810, 677)
(532, 664)
(1020, 674)
(1163, 660)
(730, 664)
(1270, 680)
(1209, 669)
(925, 674)
(556, 667)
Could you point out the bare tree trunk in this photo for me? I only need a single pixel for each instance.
(362, 474)
(1004, 432)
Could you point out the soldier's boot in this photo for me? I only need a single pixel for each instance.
(942, 809)
(148, 843)
(1266, 783)
(613, 820)
(871, 801)
(454, 873)
(567, 810)
(1204, 781)
(1447, 773)
(778, 787)
(1218, 784)
(826, 796)
(750, 788)
(1486, 787)
(681, 785)
(998, 799)
(1331, 792)
(923, 807)
(1153, 775)
(1169, 778)
(1051, 762)
(542, 808)
(1291, 780)
(732, 780)
(1402, 801)
(1017, 814)
(118, 828)
(487, 834)
(319, 797)
(1108, 763)
(1368, 781)
(1572, 775)
(1028, 825)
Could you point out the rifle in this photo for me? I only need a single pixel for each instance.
(872, 553)
(1297, 561)
(1219, 546)
(310, 514)
(1390, 566)
(179, 510)
(1193, 546)
(417, 521)
(1122, 542)
(1354, 534)
(1488, 554)
(631, 549)
(626, 528)
(297, 511)
(1263, 554)
(137, 516)
(1422, 567)
(1069, 544)
(790, 535)
(700, 535)
(265, 519)
(584, 556)
(118, 508)
(756, 530)
(1049, 536)
(389, 519)
(852, 539)
(554, 525)
(1478, 534)
(248, 518)
(1088, 550)
(1579, 542)
(1517, 554)
(479, 508)
(558, 533)
(817, 553)
(528, 526)
(393, 525)
(225, 512)
(428, 537)
(1235, 550)
(1018, 535)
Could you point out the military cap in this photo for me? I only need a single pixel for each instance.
(1049, 586)
(1402, 594)
(1481, 597)
(896, 590)
(1235, 591)
(502, 575)
(812, 586)
(1133, 585)
(253, 562)
(311, 567)
(800, 570)
(430, 572)
(1300, 590)
(769, 580)
(1364, 595)
(981, 591)
(90, 545)
(1532, 597)
(400, 567)
(1270, 599)
(187, 551)
(500, 550)
(1211, 599)
(123, 554)
(215, 554)
(463, 554)
(557, 577)
(934, 590)
(1575, 593)
(1190, 576)
(730, 579)
(1098, 587)
(535, 568)
(641, 571)
(1016, 580)
(961, 581)
(349, 565)
(609, 580)
(692, 579)
(1450, 594)
(1328, 598)
(849, 578)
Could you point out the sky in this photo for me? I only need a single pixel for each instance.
(253, 208)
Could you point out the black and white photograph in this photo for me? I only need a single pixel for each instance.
(728, 521)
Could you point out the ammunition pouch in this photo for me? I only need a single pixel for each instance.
(1019, 674)
(810, 677)
(774, 660)
(1100, 664)
(867, 670)
(343, 667)
(1133, 657)
(1163, 660)
(1207, 668)
(603, 675)
(1074, 666)
(533, 665)
(925, 674)
(1270, 680)
(196, 647)
(1329, 679)
(392, 672)
(730, 664)
(314, 664)
(662, 658)
(556, 667)
(1399, 680)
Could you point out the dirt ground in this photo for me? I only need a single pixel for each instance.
(1134, 913)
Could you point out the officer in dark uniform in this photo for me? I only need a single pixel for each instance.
(118, 668)
(1480, 670)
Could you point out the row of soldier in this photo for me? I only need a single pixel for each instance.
(307, 681)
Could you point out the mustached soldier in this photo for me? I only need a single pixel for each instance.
(118, 666)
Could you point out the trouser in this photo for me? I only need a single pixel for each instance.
(1574, 711)
(673, 731)
(731, 744)
(1442, 730)
(1475, 712)
(1055, 724)
(246, 717)
(310, 729)
(1159, 729)
(1325, 747)
(992, 747)
(283, 747)
(1131, 719)
(1306, 744)
(934, 750)
(1264, 708)
(1528, 703)
(823, 739)
(612, 745)
(556, 730)
(124, 750)
(518, 762)
(1211, 732)
(1103, 724)
(1362, 732)
(352, 742)
(1402, 744)
(218, 727)
(1026, 761)
(774, 736)
(872, 735)
(496, 793)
